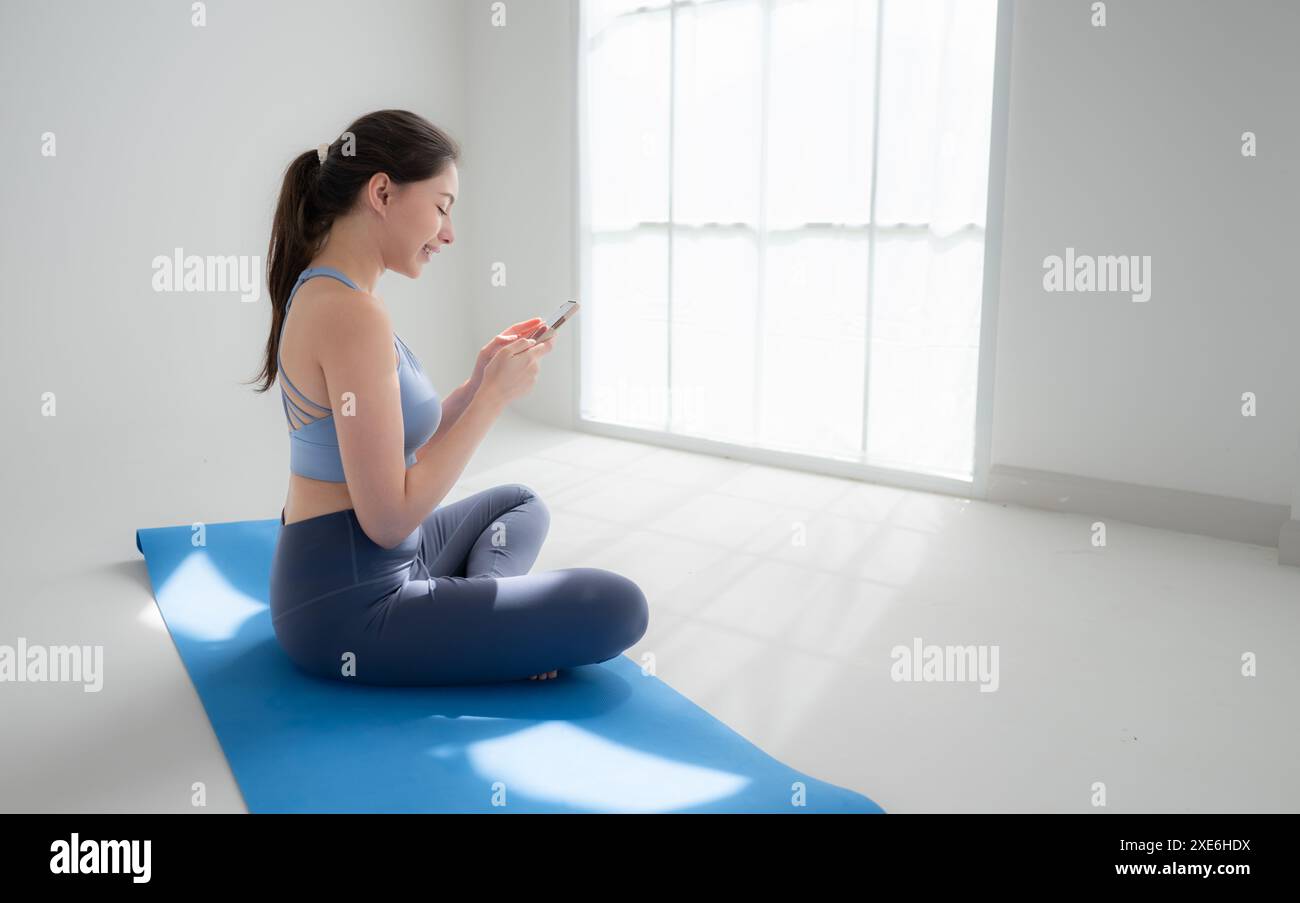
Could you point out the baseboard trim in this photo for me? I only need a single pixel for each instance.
(1240, 520)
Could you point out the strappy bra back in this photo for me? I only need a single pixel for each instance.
(313, 440)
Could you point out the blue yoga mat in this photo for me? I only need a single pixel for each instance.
(600, 738)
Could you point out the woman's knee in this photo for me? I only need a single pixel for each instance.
(529, 497)
(624, 612)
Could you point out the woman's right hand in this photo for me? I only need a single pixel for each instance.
(513, 369)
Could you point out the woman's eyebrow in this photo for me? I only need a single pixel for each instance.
(450, 195)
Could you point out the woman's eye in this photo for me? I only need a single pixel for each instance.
(443, 212)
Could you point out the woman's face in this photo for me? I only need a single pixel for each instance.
(419, 221)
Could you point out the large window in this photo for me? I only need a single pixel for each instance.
(784, 223)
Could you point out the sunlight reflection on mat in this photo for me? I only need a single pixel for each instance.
(216, 610)
(561, 762)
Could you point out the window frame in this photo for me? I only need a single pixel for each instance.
(977, 485)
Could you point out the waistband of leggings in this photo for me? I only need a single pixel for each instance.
(343, 526)
(348, 514)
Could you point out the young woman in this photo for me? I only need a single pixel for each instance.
(373, 580)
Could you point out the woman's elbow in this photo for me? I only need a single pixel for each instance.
(382, 531)
(387, 542)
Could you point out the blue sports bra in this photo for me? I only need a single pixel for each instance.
(313, 442)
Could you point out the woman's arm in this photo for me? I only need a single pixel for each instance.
(390, 499)
(459, 398)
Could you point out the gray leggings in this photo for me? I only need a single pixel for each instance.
(452, 604)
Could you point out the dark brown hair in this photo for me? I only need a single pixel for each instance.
(407, 147)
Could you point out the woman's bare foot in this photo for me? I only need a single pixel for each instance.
(545, 675)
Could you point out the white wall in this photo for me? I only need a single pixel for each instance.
(518, 179)
(1126, 140)
(174, 136)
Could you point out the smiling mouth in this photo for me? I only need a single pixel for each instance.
(430, 250)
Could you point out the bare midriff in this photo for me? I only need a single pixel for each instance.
(309, 498)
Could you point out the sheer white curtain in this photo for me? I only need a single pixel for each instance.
(741, 287)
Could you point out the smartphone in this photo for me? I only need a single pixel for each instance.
(555, 321)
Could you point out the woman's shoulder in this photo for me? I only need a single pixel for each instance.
(346, 318)
(342, 305)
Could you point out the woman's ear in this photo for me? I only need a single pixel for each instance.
(379, 192)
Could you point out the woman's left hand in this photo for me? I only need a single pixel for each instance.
(488, 351)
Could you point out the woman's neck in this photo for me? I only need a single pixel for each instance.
(352, 254)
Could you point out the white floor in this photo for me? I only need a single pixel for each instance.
(776, 598)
